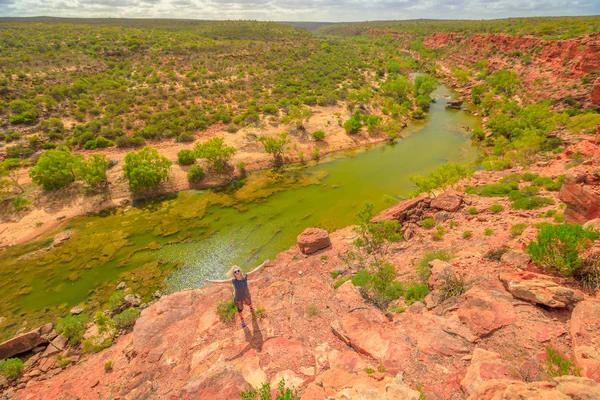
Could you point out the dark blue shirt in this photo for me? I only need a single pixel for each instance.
(241, 288)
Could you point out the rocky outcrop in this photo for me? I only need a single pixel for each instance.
(516, 259)
(585, 333)
(21, 344)
(485, 310)
(402, 210)
(564, 388)
(313, 239)
(583, 202)
(449, 201)
(540, 289)
(486, 365)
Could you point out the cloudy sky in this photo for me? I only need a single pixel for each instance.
(299, 10)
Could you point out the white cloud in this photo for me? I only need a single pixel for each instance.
(299, 10)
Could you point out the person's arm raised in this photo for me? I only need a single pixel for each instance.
(258, 268)
(217, 281)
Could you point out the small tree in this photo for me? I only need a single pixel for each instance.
(8, 169)
(145, 169)
(297, 115)
(274, 146)
(93, 170)
(186, 157)
(353, 125)
(195, 174)
(54, 169)
(216, 152)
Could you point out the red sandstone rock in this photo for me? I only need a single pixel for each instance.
(400, 211)
(507, 389)
(61, 238)
(595, 96)
(539, 289)
(485, 310)
(486, 365)
(585, 333)
(21, 344)
(516, 259)
(582, 204)
(313, 239)
(450, 201)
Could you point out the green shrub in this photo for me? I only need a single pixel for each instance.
(353, 125)
(517, 229)
(512, 178)
(496, 208)
(397, 309)
(195, 174)
(528, 191)
(115, 300)
(264, 393)
(394, 290)
(126, 319)
(108, 366)
(96, 344)
(186, 157)
(472, 210)
(62, 361)
(557, 364)
(428, 223)
(529, 177)
(440, 178)
(415, 291)
(93, 170)
(54, 169)
(259, 312)
(439, 233)
(145, 169)
(488, 232)
(20, 203)
(467, 234)
(531, 203)
(186, 137)
(226, 310)
(496, 189)
(335, 273)
(362, 278)
(560, 248)
(72, 327)
(216, 152)
(319, 135)
(11, 368)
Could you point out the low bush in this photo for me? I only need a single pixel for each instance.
(496, 208)
(428, 223)
(186, 157)
(319, 135)
(517, 229)
(195, 174)
(488, 232)
(472, 210)
(438, 235)
(11, 368)
(415, 291)
(96, 344)
(453, 285)
(531, 203)
(264, 393)
(72, 327)
(467, 234)
(394, 290)
(557, 364)
(226, 310)
(561, 248)
(126, 319)
(108, 366)
(589, 274)
(186, 137)
(362, 278)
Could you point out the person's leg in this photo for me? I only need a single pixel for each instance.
(240, 307)
(249, 302)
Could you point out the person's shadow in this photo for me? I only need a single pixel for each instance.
(254, 338)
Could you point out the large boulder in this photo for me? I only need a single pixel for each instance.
(21, 344)
(450, 201)
(486, 365)
(583, 203)
(61, 238)
(585, 334)
(539, 289)
(485, 310)
(401, 210)
(313, 239)
(507, 389)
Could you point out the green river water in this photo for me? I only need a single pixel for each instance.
(177, 242)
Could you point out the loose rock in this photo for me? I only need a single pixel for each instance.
(312, 240)
(539, 289)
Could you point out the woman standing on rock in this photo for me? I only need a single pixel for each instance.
(240, 283)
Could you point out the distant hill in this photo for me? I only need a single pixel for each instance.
(310, 26)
